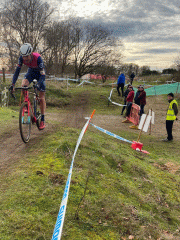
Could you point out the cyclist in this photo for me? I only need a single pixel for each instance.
(35, 71)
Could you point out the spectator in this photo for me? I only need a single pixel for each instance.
(120, 83)
(136, 99)
(171, 116)
(132, 76)
(142, 99)
(125, 96)
(129, 101)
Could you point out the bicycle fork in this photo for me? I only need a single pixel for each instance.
(26, 110)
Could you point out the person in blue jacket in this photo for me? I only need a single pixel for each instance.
(121, 83)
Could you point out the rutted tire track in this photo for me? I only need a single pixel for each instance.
(12, 148)
(75, 117)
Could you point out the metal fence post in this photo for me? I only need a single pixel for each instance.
(155, 90)
(177, 88)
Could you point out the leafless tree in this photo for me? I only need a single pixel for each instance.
(93, 45)
(59, 38)
(24, 21)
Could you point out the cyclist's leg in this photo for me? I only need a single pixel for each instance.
(42, 88)
(28, 78)
(42, 102)
(25, 82)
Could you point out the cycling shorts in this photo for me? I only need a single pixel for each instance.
(35, 74)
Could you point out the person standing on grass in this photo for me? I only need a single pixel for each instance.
(132, 76)
(120, 84)
(125, 96)
(129, 101)
(171, 116)
(35, 71)
(136, 99)
(141, 98)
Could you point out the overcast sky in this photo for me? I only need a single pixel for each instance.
(149, 29)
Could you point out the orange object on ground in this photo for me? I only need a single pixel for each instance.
(134, 114)
(138, 147)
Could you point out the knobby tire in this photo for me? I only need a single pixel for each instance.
(38, 113)
(24, 123)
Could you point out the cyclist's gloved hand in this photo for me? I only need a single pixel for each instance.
(11, 88)
(38, 86)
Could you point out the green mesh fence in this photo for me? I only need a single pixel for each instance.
(162, 89)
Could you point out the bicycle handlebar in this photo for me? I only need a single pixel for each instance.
(24, 88)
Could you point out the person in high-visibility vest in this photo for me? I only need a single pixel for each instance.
(171, 116)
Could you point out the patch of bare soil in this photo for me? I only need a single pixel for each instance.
(169, 166)
(159, 106)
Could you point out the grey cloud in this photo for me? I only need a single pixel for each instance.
(157, 38)
(161, 50)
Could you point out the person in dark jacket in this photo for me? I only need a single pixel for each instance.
(142, 99)
(132, 76)
(129, 100)
(125, 96)
(136, 99)
(171, 116)
(121, 83)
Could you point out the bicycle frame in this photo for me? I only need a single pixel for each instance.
(32, 111)
(28, 113)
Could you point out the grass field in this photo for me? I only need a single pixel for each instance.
(116, 192)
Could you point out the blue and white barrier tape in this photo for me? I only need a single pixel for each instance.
(109, 98)
(60, 219)
(85, 81)
(110, 134)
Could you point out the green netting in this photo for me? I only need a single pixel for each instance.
(162, 89)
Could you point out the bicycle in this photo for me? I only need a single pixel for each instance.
(28, 114)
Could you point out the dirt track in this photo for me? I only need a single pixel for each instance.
(12, 147)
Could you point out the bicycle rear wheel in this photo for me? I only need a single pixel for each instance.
(37, 112)
(24, 122)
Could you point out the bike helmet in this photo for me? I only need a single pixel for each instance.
(26, 49)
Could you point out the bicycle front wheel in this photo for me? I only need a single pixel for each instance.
(24, 122)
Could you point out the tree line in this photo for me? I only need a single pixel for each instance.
(70, 46)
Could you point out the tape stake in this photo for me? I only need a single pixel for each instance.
(61, 215)
(90, 118)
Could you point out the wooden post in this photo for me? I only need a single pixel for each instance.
(150, 121)
(4, 78)
(142, 129)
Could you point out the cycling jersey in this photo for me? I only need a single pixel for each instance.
(36, 66)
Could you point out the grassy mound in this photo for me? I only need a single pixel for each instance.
(115, 193)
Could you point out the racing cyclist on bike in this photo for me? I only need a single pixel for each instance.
(35, 71)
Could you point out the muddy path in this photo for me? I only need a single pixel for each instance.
(12, 148)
